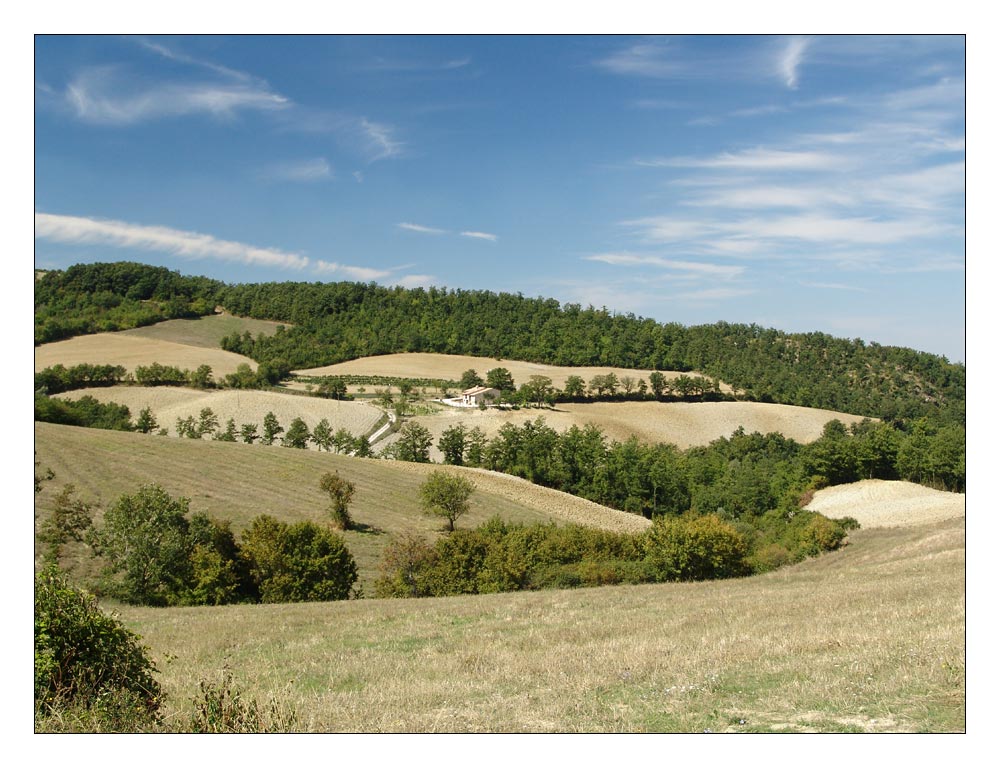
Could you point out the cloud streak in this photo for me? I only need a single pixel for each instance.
(177, 242)
(692, 268)
(421, 229)
(80, 230)
(314, 169)
(107, 96)
(790, 60)
(480, 236)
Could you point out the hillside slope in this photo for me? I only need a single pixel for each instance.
(238, 482)
(867, 639)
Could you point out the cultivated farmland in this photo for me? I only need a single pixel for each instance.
(428, 365)
(130, 351)
(244, 406)
(888, 503)
(683, 424)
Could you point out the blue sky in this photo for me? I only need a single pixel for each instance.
(801, 182)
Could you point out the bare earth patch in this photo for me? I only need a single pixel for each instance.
(888, 503)
(429, 365)
(130, 351)
(245, 406)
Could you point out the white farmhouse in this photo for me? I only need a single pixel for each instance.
(477, 395)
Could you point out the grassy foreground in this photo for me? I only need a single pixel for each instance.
(870, 638)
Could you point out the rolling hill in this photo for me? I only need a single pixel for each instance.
(238, 482)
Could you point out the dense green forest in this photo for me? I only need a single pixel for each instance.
(334, 322)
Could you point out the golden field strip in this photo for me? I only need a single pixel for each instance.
(866, 639)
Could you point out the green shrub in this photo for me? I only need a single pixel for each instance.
(692, 549)
(404, 567)
(86, 660)
(295, 563)
(146, 544)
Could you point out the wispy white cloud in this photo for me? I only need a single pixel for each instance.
(834, 286)
(758, 159)
(480, 236)
(190, 245)
(713, 294)
(416, 281)
(790, 59)
(356, 273)
(692, 268)
(421, 228)
(106, 96)
(314, 169)
(645, 59)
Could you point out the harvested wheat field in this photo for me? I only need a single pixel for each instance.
(429, 365)
(683, 424)
(130, 350)
(888, 503)
(244, 406)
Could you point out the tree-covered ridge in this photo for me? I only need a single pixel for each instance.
(93, 298)
(335, 322)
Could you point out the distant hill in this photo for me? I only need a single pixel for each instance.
(334, 322)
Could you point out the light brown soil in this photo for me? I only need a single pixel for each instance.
(129, 351)
(428, 365)
(245, 406)
(683, 424)
(888, 503)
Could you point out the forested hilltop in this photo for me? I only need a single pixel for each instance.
(334, 322)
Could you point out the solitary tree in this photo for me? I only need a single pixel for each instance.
(146, 422)
(446, 495)
(341, 492)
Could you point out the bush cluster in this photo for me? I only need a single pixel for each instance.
(158, 554)
(87, 659)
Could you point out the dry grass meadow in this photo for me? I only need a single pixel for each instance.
(867, 639)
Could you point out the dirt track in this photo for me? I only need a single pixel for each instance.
(888, 503)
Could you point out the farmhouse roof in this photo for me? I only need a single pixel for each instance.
(478, 390)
